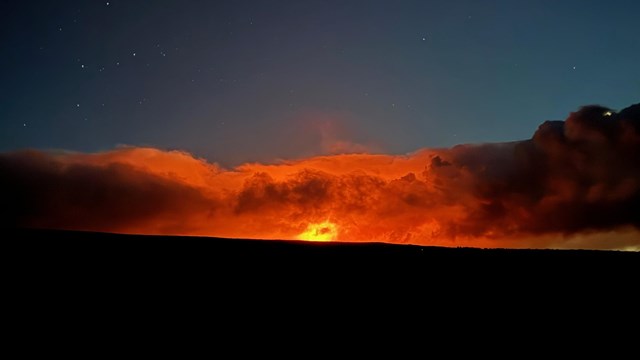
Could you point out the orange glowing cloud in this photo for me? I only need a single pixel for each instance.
(572, 181)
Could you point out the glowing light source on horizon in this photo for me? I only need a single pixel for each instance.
(324, 231)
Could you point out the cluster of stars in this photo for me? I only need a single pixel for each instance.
(83, 66)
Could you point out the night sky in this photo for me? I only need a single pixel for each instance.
(237, 81)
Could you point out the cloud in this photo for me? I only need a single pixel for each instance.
(98, 192)
(575, 183)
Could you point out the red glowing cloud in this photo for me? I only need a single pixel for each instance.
(571, 184)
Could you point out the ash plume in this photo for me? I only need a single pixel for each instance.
(573, 183)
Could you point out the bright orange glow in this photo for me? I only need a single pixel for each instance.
(324, 231)
(429, 197)
(367, 197)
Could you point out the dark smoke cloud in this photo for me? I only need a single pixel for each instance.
(41, 190)
(573, 176)
(571, 181)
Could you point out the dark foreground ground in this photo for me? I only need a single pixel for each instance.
(111, 244)
(71, 260)
(50, 277)
(77, 260)
(58, 249)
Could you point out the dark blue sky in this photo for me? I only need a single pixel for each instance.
(236, 81)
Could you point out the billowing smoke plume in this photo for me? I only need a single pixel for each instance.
(575, 183)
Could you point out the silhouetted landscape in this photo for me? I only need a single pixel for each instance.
(96, 247)
(62, 268)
